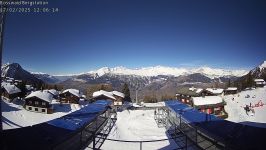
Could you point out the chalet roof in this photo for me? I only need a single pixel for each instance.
(207, 100)
(215, 91)
(231, 89)
(44, 95)
(189, 91)
(10, 88)
(29, 87)
(52, 91)
(118, 94)
(74, 92)
(104, 93)
(259, 80)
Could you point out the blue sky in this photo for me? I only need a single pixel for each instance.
(89, 34)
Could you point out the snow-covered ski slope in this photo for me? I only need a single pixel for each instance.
(237, 102)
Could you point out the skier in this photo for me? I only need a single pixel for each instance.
(247, 109)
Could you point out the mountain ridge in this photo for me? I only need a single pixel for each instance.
(161, 70)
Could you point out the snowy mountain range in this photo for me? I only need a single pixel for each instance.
(158, 79)
(212, 73)
(168, 71)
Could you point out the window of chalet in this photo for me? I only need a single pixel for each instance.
(30, 108)
(43, 103)
(43, 110)
(36, 109)
(36, 102)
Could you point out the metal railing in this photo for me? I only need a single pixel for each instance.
(195, 135)
(88, 135)
(140, 144)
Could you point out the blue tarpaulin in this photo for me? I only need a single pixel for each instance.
(79, 118)
(189, 113)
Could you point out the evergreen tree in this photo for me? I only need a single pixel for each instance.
(102, 87)
(229, 83)
(55, 87)
(22, 87)
(249, 80)
(126, 91)
(39, 86)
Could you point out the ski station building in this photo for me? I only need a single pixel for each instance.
(205, 100)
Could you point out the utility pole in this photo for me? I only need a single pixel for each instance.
(136, 96)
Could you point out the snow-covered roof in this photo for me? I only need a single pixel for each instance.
(118, 94)
(198, 90)
(231, 89)
(10, 88)
(207, 100)
(215, 91)
(259, 80)
(192, 89)
(9, 80)
(52, 91)
(44, 95)
(102, 92)
(29, 87)
(73, 91)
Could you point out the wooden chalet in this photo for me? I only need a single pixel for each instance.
(29, 88)
(205, 100)
(54, 92)
(116, 97)
(9, 90)
(210, 105)
(70, 96)
(259, 82)
(39, 101)
(185, 94)
(119, 98)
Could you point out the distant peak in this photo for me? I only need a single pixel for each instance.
(263, 65)
(13, 65)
